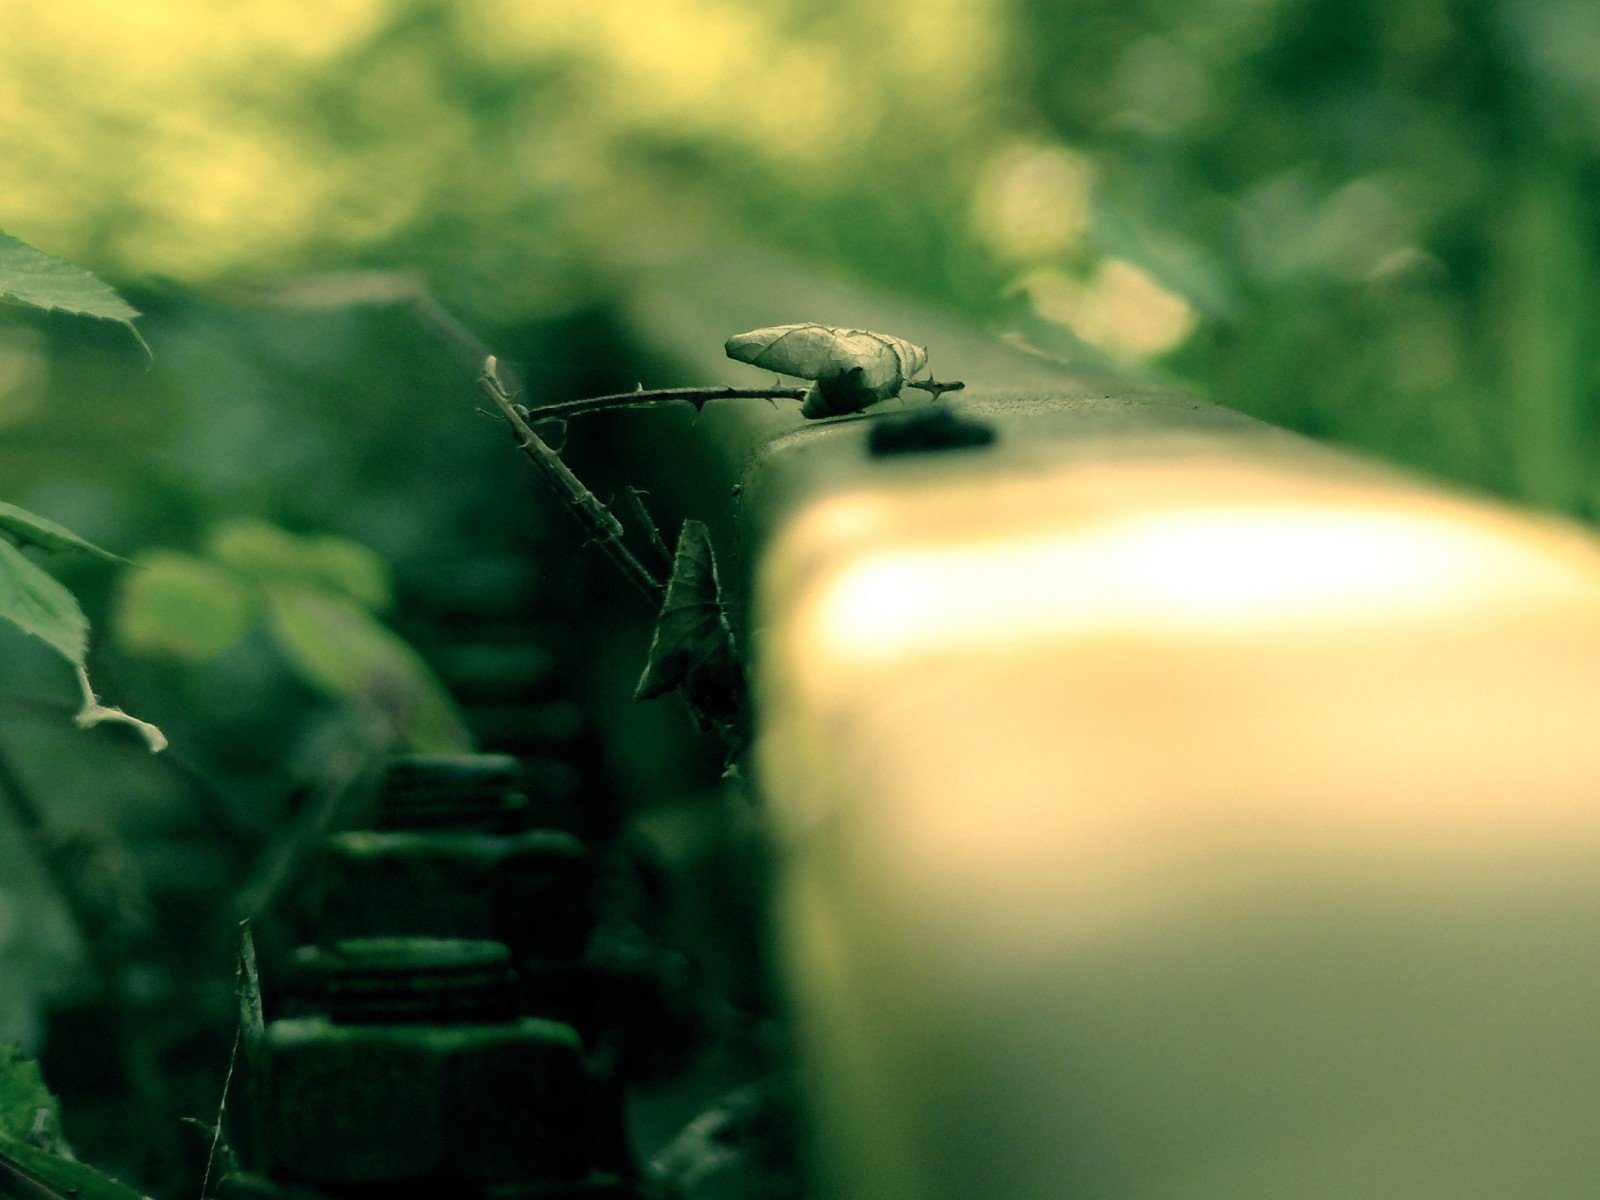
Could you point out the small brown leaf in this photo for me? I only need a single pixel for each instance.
(852, 368)
(693, 649)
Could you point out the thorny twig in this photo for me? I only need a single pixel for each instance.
(632, 501)
(643, 398)
(598, 520)
(934, 387)
(699, 397)
(247, 987)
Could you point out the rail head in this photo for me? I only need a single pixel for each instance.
(1166, 805)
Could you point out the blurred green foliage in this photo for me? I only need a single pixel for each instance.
(1391, 204)
(319, 598)
(31, 599)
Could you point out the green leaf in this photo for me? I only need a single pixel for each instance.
(339, 649)
(33, 601)
(182, 607)
(273, 556)
(28, 1171)
(26, 529)
(692, 649)
(356, 570)
(42, 280)
(252, 1022)
(28, 1112)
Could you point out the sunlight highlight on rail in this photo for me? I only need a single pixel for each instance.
(1210, 568)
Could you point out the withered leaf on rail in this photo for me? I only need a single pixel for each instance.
(692, 649)
(852, 368)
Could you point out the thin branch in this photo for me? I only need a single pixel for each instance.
(374, 289)
(642, 398)
(699, 397)
(247, 987)
(597, 520)
(632, 501)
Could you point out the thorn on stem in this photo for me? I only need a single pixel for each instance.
(935, 386)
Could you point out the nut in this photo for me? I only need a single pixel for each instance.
(528, 890)
(467, 1104)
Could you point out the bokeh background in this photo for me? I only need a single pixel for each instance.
(1369, 221)
(1375, 223)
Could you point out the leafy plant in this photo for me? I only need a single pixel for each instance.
(34, 1161)
(318, 597)
(28, 1112)
(39, 280)
(31, 598)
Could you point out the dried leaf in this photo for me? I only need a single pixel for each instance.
(252, 1023)
(852, 368)
(692, 650)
